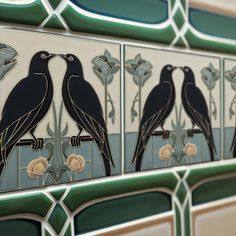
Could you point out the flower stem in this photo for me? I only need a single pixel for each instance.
(106, 100)
(139, 99)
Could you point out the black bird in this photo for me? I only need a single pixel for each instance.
(83, 105)
(26, 105)
(157, 108)
(233, 145)
(196, 108)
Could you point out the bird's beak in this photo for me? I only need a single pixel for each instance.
(62, 55)
(181, 68)
(51, 55)
(174, 67)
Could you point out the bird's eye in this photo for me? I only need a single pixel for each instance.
(43, 56)
(169, 68)
(186, 69)
(70, 58)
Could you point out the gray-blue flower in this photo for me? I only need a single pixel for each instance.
(140, 69)
(7, 59)
(105, 66)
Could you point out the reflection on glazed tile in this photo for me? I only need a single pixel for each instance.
(58, 109)
(215, 220)
(175, 104)
(229, 108)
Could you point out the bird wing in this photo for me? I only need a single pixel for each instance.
(89, 112)
(154, 113)
(199, 110)
(21, 107)
(155, 107)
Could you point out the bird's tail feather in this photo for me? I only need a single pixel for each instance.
(139, 150)
(211, 145)
(106, 155)
(211, 150)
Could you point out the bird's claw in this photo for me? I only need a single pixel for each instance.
(190, 133)
(165, 134)
(38, 144)
(75, 141)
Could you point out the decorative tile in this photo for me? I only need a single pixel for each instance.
(56, 154)
(31, 13)
(229, 108)
(147, 145)
(138, 206)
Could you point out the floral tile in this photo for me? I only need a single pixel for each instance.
(193, 97)
(229, 108)
(48, 137)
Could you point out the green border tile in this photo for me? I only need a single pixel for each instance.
(57, 218)
(37, 204)
(116, 187)
(214, 190)
(54, 23)
(30, 14)
(196, 175)
(121, 210)
(82, 23)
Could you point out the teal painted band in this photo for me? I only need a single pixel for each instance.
(214, 190)
(146, 11)
(117, 187)
(213, 24)
(121, 210)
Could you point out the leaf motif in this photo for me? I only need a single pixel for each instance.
(138, 58)
(130, 70)
(100, 76)
(114, 69)
(173, 124)
(136, 79)
(131, 61)
(98, 62)
(115, 61)
(109, 79)
(145, 78)
(107, 55)
(65, 130)
(49, 130)
(183, 124)
(133, 113)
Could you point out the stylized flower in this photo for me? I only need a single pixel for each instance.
(190, 149)
(105, 66)
(37, 167)
(76, 162)
(230, 75)
(140, 69)
(210, 75)
(7, 59)
(165, 152)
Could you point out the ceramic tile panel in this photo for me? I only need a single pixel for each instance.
(152, 100)
(50, 136)
(229, 108)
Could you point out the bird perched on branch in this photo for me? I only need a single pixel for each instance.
(157, 108)
(26, 105)
(83, 105)
(196, 108)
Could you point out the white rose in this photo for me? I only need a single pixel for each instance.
(76, 162)
(165, 152)
(190, 149)
(37, 167)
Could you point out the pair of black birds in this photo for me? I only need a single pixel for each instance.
(160, 103)
(30, 100)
